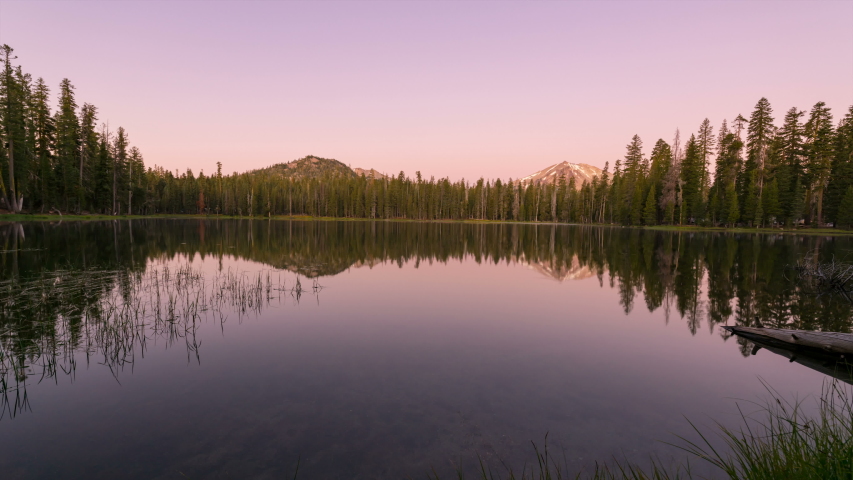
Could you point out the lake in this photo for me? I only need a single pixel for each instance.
(235, 348)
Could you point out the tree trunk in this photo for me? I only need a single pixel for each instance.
(820, 209)
(115, 184)
(129, 189)
(12, 202)
(80, 186)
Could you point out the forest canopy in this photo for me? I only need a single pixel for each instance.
(748, 172)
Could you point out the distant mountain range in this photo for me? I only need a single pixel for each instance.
(313, 167)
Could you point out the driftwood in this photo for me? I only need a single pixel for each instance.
(826, 277)
(830, 342)
(830, 353)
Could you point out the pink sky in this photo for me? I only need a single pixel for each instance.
(458, 89)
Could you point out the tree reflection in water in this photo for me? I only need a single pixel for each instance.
(103, 291)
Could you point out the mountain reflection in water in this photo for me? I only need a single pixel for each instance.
(106, 292)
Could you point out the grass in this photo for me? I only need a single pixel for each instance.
(778, 441)
(781, 442)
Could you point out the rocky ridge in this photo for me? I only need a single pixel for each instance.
(581, 172)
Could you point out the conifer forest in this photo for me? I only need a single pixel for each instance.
(426, 239)
(759, 170)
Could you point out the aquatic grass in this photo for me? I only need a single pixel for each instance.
(548, 467)
(780, 441)
(109, 317)
(777, 441)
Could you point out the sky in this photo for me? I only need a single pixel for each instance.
(458, 89)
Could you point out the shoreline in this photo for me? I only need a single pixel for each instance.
(25, 217)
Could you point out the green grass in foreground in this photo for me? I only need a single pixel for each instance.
(778, 442)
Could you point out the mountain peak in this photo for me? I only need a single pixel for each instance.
(370, 173)
(581, 172)
(309, 166)
(316, 167)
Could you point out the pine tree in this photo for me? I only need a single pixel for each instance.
(118, 166)
(661, 163)
(798, 201)
(631, 183)
(770, 202)
(760, 133)
(731, 212)
(67, 143)
(691, 173)
(845, 210)
(818, 148)
(636, 214)
(135, 167)
(716, 192)
(45, 138)
(726, 175)
(841, 174)
(738, 126)
(26, 154)
(705, 142)
(790, 170)
(88, 153)
(14, 136)
(562, 186)
(670, 192)
(102, 175)
(603, 194)
(751, 199)
(650, 213)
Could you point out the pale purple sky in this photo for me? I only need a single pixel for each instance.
(459, 89)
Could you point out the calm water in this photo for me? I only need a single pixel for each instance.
(230, 349)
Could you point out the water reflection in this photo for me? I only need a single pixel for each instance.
(103, 291)
(831, 364)
(107, 311)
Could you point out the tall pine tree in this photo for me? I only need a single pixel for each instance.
(67, 144)
(13, 131)
(818, 148)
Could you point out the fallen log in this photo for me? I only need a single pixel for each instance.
(830, 342)
(830, 353)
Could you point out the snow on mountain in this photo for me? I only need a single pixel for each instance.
(581, 172)
(370, 173)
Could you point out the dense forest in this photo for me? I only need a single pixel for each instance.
(750, 172)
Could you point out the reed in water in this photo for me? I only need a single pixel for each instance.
(49, 323)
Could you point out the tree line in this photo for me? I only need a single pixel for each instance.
(60, 161)
(763, 175)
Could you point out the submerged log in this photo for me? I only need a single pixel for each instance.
(830, 353)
